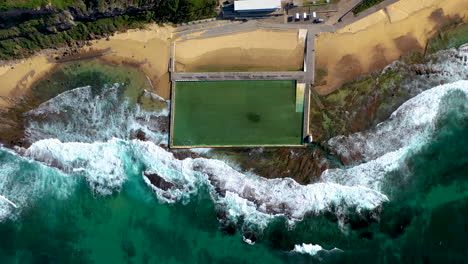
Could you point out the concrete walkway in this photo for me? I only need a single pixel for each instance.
(237, 76)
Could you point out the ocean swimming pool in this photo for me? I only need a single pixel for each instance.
(236, 113)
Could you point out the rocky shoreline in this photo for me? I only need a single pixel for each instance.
(356, 106)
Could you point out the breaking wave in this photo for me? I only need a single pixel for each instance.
(251, 197)
(386, 147)
(23, 181)
(80, 115)
(310, 249)
(76, 119)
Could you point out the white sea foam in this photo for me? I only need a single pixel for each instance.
(22, 181)
(79, 115)
(254, 198)
(385, 147)
(310, 249)
(102, 163)
(248, 241)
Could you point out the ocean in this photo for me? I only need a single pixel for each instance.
(88, 189)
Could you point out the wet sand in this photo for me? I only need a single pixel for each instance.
(258, 50)
(16, 77)
(375, 41)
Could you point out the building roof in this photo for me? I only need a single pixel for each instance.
(245, 5)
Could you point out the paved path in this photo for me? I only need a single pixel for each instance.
(236, 27)
(309, 68)
(233, 76)
(344, 7)
(349, 17)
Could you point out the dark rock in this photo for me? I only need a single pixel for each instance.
(141, 135)
(158, 181)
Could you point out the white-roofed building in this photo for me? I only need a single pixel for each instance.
(257, 5)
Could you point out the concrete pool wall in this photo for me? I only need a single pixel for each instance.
(236, 114)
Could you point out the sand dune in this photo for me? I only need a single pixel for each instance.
(373, 42)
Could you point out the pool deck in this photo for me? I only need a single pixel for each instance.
(307, 76)
(237, 76)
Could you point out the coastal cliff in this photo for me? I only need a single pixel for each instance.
(26, 28)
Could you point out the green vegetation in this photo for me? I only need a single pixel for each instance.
(32, 35)
(365, 5)
(353, 107)
(64, 4)
(451, 36)
(236, 113)
(30, 4)
(22, 35)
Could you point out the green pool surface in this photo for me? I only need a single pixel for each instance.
(236, 113)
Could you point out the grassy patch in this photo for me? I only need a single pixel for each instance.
(451, 36)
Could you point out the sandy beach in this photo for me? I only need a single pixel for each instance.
(16, 77)
(364, 46)
(373, 42)
(147, 49)
(258, 50)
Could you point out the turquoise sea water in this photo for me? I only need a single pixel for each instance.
(128, 227)
(64, 216)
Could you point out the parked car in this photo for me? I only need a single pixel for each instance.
(319, 20)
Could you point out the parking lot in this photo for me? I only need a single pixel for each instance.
(312, 15)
